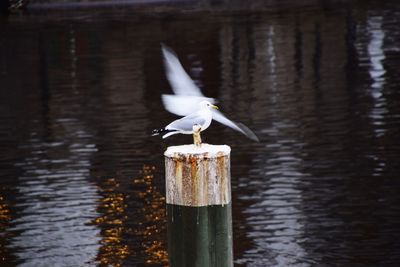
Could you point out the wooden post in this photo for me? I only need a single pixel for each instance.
(199, 206)
(196, 135)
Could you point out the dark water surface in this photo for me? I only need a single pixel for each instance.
(82, 182)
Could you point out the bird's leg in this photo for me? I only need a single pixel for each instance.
(196, 135)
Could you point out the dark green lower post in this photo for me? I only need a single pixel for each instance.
(200, 236)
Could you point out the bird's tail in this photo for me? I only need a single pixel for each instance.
(159, 131)
(163, 132)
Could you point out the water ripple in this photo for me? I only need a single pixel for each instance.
(82, 181)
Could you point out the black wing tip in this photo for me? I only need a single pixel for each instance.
(165, 48)
(161, 131)
(157, 131)
(247, 132)
(252, 137)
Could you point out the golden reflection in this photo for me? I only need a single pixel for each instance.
(4, 219)
(112, 207)
(132, 214)
(4, 212)
(153, 226)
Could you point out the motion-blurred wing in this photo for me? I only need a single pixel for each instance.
(240, 127)
(188, 96)
(183, 105)
(179, 80)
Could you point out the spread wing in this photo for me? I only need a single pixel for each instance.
(179, 80)
(240, 127)
(187, 98)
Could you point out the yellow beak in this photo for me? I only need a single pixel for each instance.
(214, 106)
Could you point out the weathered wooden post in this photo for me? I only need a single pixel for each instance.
(198, 184)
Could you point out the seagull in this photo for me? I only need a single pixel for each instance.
(191, 124)
(189, 101)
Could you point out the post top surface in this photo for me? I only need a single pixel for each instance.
(211, 150)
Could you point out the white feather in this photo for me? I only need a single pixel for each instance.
(180, 81)
(188, 96)
(182, 105)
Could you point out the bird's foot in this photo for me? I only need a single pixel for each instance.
(196, 135)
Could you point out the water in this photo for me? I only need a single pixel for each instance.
(82, 182)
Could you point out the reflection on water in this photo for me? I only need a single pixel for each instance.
(117, 228)
(4, 221)
(112, 207)
(153, 226)
(377, 72)
(56, 200)
(81, 180)
(276, 216)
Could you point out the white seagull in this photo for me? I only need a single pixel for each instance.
(188, 101)
(190, 124)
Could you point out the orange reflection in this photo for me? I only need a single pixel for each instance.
(4, 219)
(118, 228)
(153, 226)
(112, 207)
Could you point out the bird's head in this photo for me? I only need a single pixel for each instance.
(206, 104)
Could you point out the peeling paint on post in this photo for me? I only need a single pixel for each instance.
(198, 186)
